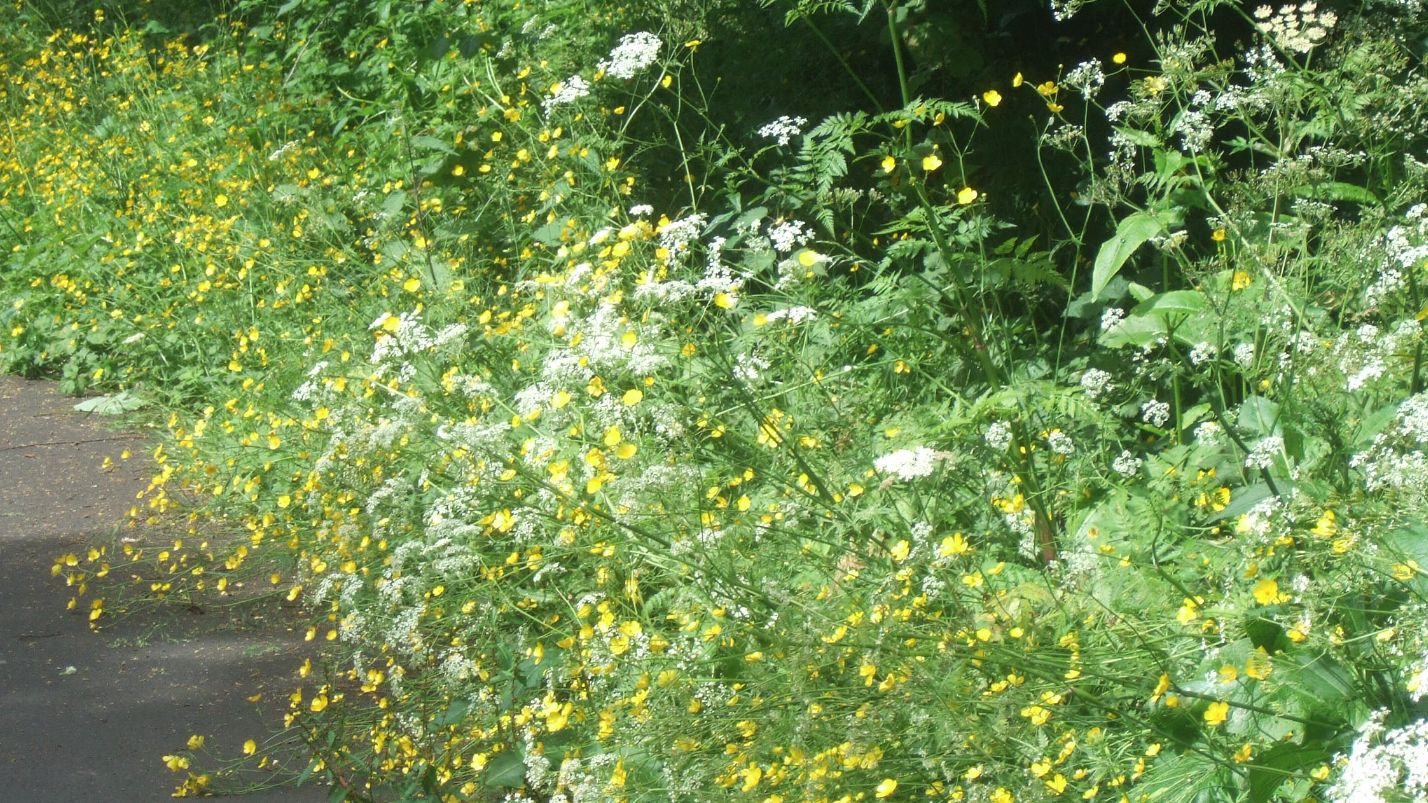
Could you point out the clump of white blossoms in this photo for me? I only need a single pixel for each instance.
(676, 235)
(1060, 443)
(1209, 433)
(789, 235)
(1096, 383)
(1111, 317)
(1155, 412)
(568, 91)
(795, 315)
(1086, 77)
(1126, 464)
(907, 464)
(1385, 764)
(1297, 28)
(998, 435)
(1263, 453)
(1397, 460)
(631, 56)
(1202, 353)
(1244, 355)
(783, 129)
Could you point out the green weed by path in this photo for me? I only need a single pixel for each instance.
(620, 454)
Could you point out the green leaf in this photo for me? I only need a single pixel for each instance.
(118, 404)
(507, 770)
(1336, 191)
(433, 144)
(1259, 416)
(1184, 302)
(1143, 138)
(1130, 234)
(1136, 330)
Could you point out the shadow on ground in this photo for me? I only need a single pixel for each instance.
(88, 716)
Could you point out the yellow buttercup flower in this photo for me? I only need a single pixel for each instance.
(1266, 592)
(967, 195)
(992, 97)
(931, 162)
(1217, 713)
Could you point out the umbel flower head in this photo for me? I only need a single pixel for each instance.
(907, 464)
(632, 55)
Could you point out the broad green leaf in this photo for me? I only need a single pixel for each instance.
(1130, 234)
(507, 770)
(1138, 137)
(1177, 302)
(433, 144)
(1336, 191)
(1259, 416)
(118, 404)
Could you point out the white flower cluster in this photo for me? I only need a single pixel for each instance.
(1296, 28)
(676, 236)
(1111, 317)
(1063, 10)
(795, 315)
(1096, 383)
(750, 368)
(1126, 464)
(1385, 764)
(1406, 249)
(1396, 460)
(907, 464)
(1155, 412)
(1060, 443)
(998, 435)
(1364, 355)
(1086, 77)
(1209, 433)
(568, 91)
(632, 55)
(1202, 353)
(789, 235)
(783, 129)
(1244, 355)
(1263, 454)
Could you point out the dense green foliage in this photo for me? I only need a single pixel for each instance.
(774, 401)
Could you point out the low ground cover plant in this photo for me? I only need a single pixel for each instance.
(978, 430)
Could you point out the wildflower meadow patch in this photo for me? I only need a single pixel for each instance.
(779, 401)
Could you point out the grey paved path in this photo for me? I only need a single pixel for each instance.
(138, 688)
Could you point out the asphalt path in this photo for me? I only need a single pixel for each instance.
(87, 717)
